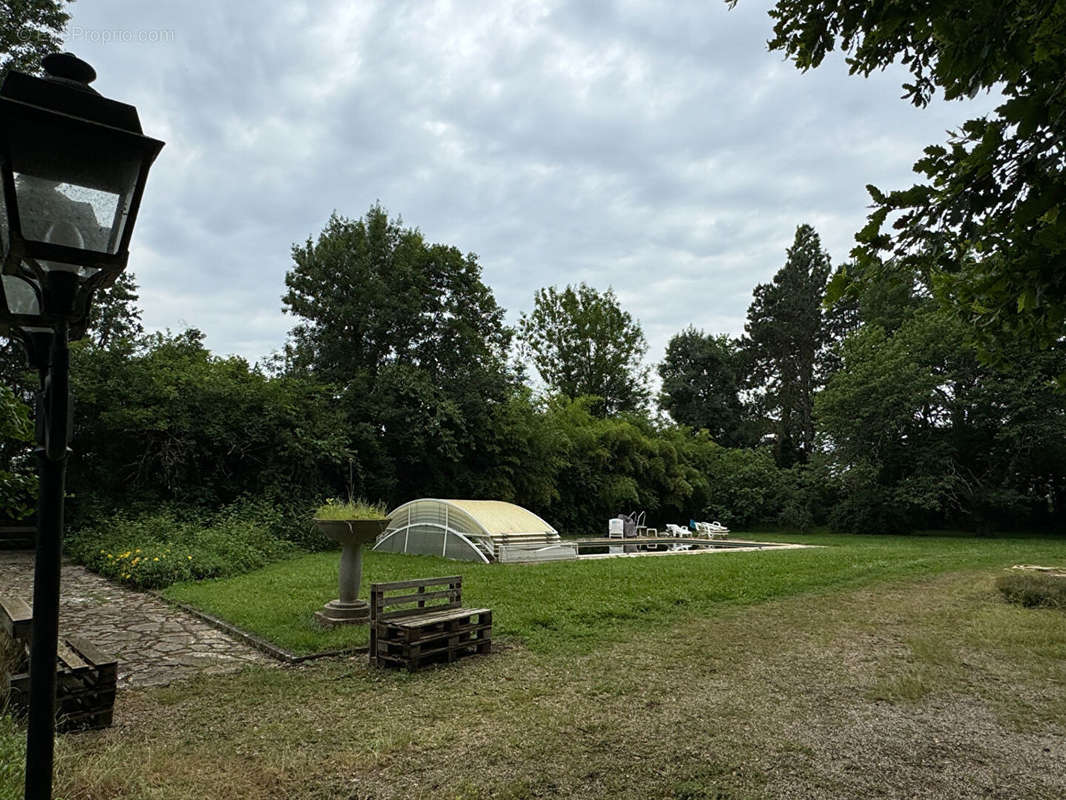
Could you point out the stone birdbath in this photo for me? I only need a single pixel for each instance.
(351, 534)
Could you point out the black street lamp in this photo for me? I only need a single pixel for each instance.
(73, 165)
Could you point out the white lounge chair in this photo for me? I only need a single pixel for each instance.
(676, 530)
(712, 530)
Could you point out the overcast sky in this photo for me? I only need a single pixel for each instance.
(656, 148)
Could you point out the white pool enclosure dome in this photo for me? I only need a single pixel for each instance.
(472, 530)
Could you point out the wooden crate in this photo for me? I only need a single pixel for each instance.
(86, 681)
(415, 623)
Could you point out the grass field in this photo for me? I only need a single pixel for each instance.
(875, 667)
(573, 607)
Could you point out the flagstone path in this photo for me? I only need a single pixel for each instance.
(155, 643)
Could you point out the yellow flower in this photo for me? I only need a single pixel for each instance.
(134, 562)
(190, 558)
(156, 558)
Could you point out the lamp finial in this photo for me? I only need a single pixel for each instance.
(67, 67)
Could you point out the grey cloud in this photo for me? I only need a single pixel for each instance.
(666, 154)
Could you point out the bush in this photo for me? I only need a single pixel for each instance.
(155, 549)
(289, 520)
(799, 492)
(744, 487)
(1034, 589)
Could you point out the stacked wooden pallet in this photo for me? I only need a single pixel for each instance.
(86, 678)
(419, 622)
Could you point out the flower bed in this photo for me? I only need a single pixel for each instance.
(153, 550)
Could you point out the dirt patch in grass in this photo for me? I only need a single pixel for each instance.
(928, 689)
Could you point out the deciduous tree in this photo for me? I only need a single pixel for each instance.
(987, 223)
(31, 29)
(370, 293)
(164, 420)
(917, 431)
(701, 384)
(584, 344)
(415, 345)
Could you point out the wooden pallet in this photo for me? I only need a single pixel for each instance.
(446, 637)
(425, 624)
(86, 678)
(86, 681)
(16, 618)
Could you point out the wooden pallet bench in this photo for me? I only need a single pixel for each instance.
(418, 622)
(86, 678)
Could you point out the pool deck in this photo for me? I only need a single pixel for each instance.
(702, 545)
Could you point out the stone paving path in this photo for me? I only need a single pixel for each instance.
(155, 643)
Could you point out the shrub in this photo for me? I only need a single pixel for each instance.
(744, 487)
(1033, 589)
(286, 518)
(155, 549)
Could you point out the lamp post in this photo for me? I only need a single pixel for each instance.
(73, 165)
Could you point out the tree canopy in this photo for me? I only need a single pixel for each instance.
(986, 224)
(115, 315)
(395, 385)
(584, 344)
(415, 344)
(370, 293)
(32, 29)
(916, 430)
(702, 377)
(162, 419)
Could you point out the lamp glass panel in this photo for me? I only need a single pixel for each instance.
(20, 296)
(73, 182)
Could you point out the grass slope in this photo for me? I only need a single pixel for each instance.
(574, 607)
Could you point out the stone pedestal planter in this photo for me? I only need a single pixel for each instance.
(347, 609)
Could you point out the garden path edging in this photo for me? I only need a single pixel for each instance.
(259, 643)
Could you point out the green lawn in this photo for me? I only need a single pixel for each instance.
(574, 607)
(871, 667)
(929, 686)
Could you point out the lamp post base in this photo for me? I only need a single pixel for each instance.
(338, 612)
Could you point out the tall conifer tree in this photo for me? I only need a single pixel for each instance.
(785, 336)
